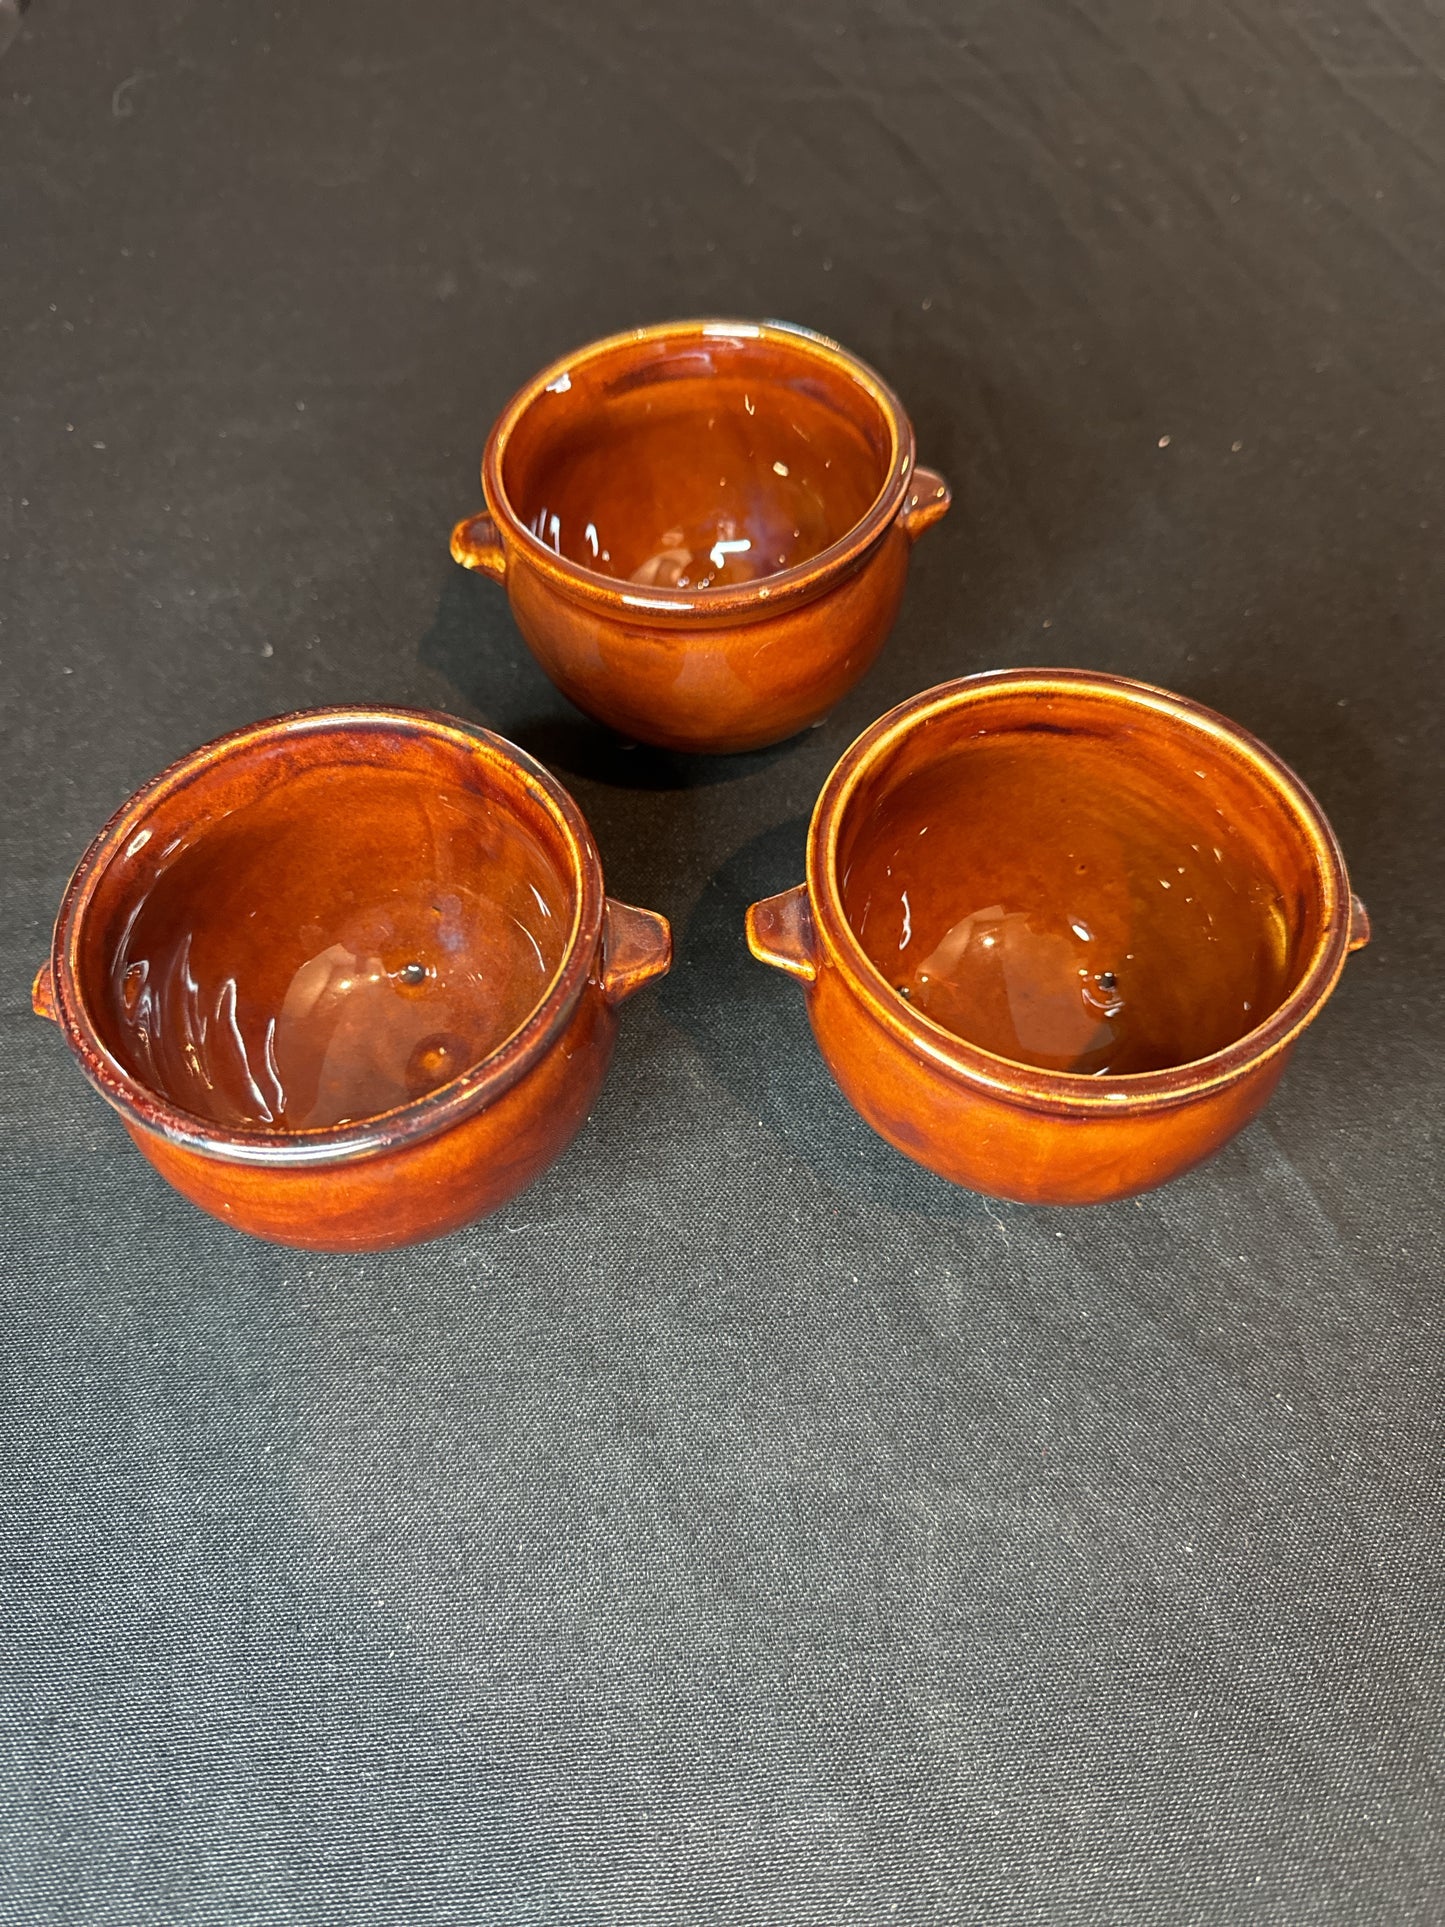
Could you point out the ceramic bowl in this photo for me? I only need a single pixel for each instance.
(703, 527)
(1061, 932)
(349, 977)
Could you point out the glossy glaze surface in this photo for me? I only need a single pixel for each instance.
(703, 527)
(1061, 932)
(349, 977)
(350, 941)
(705, 475)
(1060, 904)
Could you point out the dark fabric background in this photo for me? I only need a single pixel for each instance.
(744, 1525)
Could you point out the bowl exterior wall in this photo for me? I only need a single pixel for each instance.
(1001, 1146)
(416, 1190)
(682, 684)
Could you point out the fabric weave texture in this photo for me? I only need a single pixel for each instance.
(744, 1526)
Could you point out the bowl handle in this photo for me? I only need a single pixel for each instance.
(1359, 924)
(636, 947)
(780, 933)
(476, 545)
(926, 502)
(42, 994)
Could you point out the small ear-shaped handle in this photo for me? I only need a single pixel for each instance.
(926, 502)
(636, 947)
(42, 994)
(476, 545)
(1359, 924)
(780, 933)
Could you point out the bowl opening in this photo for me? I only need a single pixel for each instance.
(1079, 884)
(698, 461)
(310, 934)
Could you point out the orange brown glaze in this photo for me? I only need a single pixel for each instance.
(349, 977)
(703, 527)
(1061, 931)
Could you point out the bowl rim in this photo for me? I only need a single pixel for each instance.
(1068, 1091)
(739, 600)
(478, 1086)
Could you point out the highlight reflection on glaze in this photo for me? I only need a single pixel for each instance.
(1046, 910)
(397, 951)
(696, 481)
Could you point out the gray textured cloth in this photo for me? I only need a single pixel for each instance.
(744, 1526)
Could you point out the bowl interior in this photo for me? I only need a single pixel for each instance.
(698, 462)
(318, 931)
(1078, 883)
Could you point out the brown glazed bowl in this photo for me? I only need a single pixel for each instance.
(1061, 932)
(703, 527)
(349, 977)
